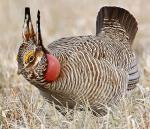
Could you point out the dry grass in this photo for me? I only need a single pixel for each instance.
(23, 107)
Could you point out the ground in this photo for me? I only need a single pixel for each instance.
(22, 106)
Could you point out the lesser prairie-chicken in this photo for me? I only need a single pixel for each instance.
(97, 69)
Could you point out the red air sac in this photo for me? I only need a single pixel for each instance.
(53, 68)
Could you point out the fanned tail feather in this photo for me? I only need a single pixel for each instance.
(116, 18)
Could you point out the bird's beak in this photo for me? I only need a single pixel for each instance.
(19, 71)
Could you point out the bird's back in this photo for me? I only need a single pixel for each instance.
(118, 53)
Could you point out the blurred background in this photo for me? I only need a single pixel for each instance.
(62, 18)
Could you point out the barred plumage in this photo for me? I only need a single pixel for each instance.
(95, 69)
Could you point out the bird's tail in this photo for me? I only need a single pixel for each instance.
(118, 19)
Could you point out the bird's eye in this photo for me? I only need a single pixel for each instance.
(29, 57)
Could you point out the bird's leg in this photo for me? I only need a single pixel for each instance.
(68, 113)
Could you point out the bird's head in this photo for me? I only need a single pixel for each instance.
(34, 61)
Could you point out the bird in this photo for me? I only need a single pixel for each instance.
(72, 71)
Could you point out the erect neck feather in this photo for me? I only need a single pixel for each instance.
(53, 68)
